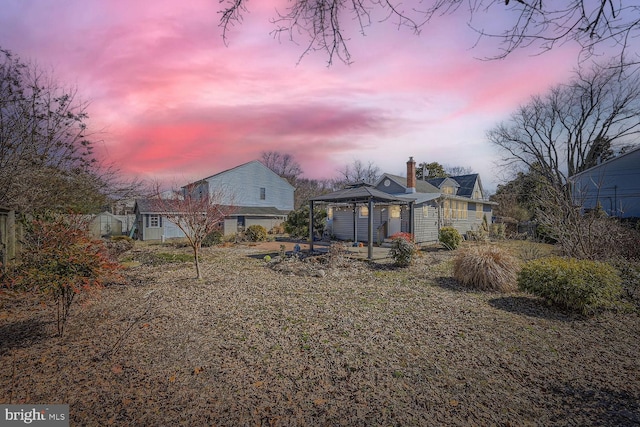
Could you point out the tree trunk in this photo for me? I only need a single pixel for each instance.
(196, 257)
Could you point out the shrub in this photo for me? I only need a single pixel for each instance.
(486, 267)
(479, 236)
(450, 238)
(497, 231)
(630, 276)
(402, 235)
(60, 261)
(214, 238)
(337, 255)
(297, 224)
(581, 285)
(118, 245)
(277, 229)
(402, 251)
(256, 233)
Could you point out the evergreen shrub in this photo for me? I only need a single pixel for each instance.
(214, 238)
(402, 251)
(256, 233)
(579, 285)
(450, 237)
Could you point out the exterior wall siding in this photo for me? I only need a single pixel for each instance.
(169, 230)
(342, 225)
(613, 184)
(242, 185)
(267, 223)
(230, 226)
(426, 226)
(393, 187)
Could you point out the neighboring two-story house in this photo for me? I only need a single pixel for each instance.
(255, 193)
(420, 207)
(613, 185)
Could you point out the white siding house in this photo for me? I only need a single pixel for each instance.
(256, 194)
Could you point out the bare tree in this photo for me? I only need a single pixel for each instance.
(357, 172)
(458, 170)
(573, 126)
(324, 24)
(591, 235)
(308, 188)
(196, 214)
(283, 164)
(46, 155)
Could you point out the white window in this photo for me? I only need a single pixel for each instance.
(425, 211)
(154, 221)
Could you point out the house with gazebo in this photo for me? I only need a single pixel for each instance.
(372, 213)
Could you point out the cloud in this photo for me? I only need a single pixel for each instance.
(174, 100)
(211, 139)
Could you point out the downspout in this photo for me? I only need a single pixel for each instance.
(370, 252)
(310, 226)
(412, 225)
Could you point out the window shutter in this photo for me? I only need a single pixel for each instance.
(160, 221)
(146, 217)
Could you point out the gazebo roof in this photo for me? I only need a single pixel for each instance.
(360, 193)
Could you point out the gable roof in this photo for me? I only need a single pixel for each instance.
(257, 211)
(145, 206)
(421, 186)
(617, 159)
(361, 193)
(467, 183)
(245, 165)
(438, 182)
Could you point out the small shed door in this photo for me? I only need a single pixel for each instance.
(105, 225)
(394, 220)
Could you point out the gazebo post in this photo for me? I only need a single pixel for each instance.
(355, 223)
(310, 225)
(370, 252)
(411, 221)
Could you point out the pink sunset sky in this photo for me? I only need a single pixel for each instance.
(171, 101)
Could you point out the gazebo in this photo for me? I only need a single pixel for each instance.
(359, 194)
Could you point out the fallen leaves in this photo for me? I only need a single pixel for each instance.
(381, 347)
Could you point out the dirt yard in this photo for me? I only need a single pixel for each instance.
(346, 343)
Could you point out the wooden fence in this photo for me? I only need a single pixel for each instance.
(10, 232)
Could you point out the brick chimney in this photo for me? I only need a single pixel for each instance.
(411, 175)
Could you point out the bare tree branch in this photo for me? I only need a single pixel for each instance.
(324, 24)
(197, 213)
(574, 125)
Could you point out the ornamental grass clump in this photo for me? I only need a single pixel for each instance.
(579, 285)
(487, 268)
